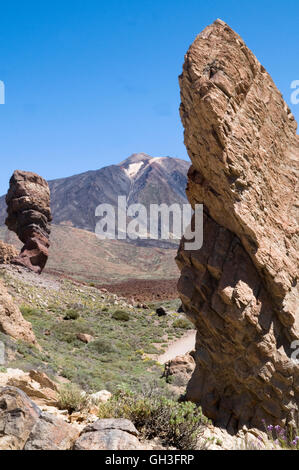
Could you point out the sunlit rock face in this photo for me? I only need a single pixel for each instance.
(29, 216)
(240, 289)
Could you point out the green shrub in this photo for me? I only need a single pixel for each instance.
(71, 315)
(121, 315)
(102, 346)
(176, 424)
(182, 323)
(26, 310)
(71, 398)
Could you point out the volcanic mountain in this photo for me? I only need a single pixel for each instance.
(141, 178)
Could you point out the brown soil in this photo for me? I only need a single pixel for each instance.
(141, 290)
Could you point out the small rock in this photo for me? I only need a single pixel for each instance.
(161, 312)
(85, 338)
(101, 396)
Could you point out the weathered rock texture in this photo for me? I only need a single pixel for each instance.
(109, 434)
(12, 322)
(29, 216)
(24, 426)
(36, 384)
(240, 289)
(7, 253)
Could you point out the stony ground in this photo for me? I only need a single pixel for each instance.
(126, 344)
(124, 338)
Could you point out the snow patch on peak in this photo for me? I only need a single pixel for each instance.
(156, 160)
(133, 169)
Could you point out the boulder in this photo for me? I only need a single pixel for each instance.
(161, 312)
(24, 426)
(100, 397)
(18, 416)
(240, 289)
(178, 371)
(84, 337)
(51, 433)
(29, 216)
(12, 322)
(109, 434)
(36, 384)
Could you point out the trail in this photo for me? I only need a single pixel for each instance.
(179, 347)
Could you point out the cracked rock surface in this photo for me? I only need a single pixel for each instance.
(240, 289)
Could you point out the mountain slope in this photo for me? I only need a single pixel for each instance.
(79, 254)
(140, 178)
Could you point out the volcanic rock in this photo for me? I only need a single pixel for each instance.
(109, 434)
(29, 216)
(7, 253)
(178, 371)
(12, 322)
(240, 289)
(24, 426)
(36, 385)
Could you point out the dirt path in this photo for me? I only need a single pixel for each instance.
(179, 347)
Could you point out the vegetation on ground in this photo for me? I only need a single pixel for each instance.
(72, 398)
(177, 424)
(123, 335)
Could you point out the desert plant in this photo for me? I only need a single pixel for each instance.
(102, 346)
(71, 315)
(121, 315)
(182, 323)
(176, 424)
(72, 398)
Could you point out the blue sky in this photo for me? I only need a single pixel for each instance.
(90, 82)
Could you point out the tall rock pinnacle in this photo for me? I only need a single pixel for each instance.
(240, 289)
(29, 216)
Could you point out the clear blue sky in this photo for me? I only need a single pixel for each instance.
(90, 82)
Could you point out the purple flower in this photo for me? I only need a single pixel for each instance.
(270, 427)
(277, 428)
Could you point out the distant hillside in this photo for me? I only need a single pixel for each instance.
(140, 178)
(81, 255)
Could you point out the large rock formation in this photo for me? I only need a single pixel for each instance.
(240, 289)
(29, 216)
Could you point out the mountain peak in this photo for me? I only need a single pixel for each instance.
(135, 158)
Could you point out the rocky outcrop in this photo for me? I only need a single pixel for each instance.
(7, 253)
(180, 367)
(12, 322)
(240, 289)
(178, 372)
(29, 216)
(24, 426)
(36, 385)
(109, 434)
